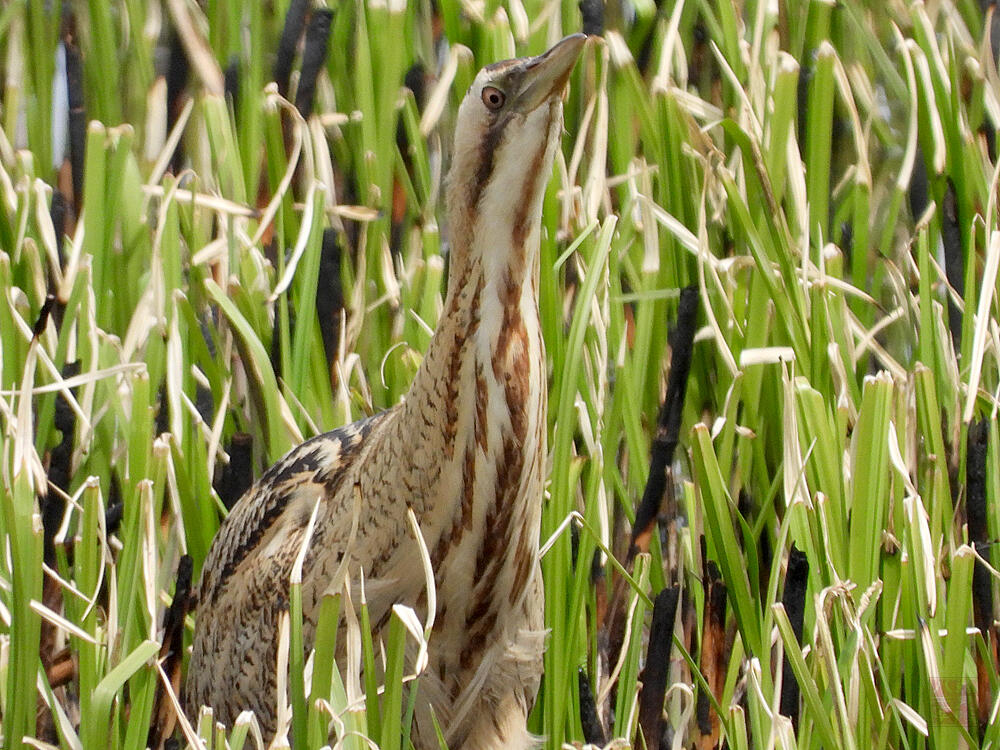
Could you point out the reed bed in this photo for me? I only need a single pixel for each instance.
(768, 273)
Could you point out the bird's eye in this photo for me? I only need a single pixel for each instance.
(493, 98)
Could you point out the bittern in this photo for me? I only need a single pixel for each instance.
(465, 450)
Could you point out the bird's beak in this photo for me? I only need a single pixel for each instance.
(545, 76)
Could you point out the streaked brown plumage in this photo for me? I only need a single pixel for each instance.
(465, 450)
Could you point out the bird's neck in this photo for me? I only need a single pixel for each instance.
(477, 411)
(476, 408)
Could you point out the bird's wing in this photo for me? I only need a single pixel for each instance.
(274, 512)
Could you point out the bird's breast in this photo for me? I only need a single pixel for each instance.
(485, 549)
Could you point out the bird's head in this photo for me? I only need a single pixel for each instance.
(505, 139)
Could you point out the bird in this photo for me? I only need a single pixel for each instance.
(464, 451)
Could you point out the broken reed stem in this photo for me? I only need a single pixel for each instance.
(668, 422)
(657, 669)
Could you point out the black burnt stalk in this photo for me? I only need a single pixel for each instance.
(759, 547)
(236, 476)
(592, 12)
(115, 506)
(277, 340)
(58, 213)
(291, 32)
(593, 731)
(989, 128)
(982, 586)
(57, 661)
(919, 192)
(42, 321)
(231, 82)
(178, 68)
(668, 422)
(313, 59)
(954, 260)
(665, 441)
(598, 581)
(657, 669)
(794, 601)
(330, 299)
(77, 126)
(60, 463)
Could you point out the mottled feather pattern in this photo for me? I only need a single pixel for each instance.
(316, 464)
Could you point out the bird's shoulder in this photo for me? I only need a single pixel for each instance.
(284, 496)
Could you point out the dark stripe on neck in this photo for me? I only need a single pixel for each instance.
(487, 155)
(524, 218)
